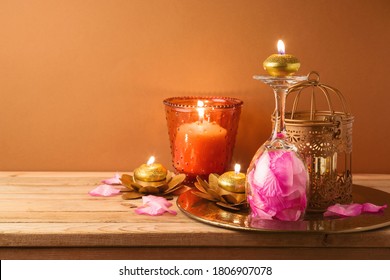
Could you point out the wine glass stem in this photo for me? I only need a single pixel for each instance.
(279, 129)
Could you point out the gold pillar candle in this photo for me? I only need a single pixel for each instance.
(281, 64)
(233, 181)
(150, 172)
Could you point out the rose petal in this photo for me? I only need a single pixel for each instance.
(347, 210)
(278, 186)
(372, 208)
(104, 190)
(154, 206)
(259, 206)
(289, 215)
(264, 178)
(351, 210)
(113, 181)
(281, 166)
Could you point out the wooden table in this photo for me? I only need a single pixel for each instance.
(49, 215)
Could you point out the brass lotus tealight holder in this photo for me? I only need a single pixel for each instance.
(151, 178)
(213, 191)
(137, 188)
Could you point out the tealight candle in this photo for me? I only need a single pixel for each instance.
(281, 64)
(233, 181)
(151, 171)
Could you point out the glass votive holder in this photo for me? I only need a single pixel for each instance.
(202, 133)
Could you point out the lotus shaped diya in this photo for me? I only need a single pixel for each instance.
(137, 188)
(212, 191)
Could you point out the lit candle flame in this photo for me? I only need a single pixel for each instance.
(200, 110)
(237, 168)
(281, 48)
(151, 160)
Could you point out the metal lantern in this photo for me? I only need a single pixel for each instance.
(324, 141)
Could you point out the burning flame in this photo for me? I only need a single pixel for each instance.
(281, 48)
(200, 110)
(237, 168)
(151, 160)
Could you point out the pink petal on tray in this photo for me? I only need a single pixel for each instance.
(347, 210)
(154, 206)
(351, 210)
(104, 190)
(372, 208)
(113, 181)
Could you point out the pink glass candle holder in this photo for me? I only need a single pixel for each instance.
(202, 133)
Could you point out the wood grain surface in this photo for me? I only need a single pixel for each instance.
(47, 215)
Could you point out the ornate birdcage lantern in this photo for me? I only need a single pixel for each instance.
(323, 139)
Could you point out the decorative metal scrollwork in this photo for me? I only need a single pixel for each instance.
(324, 140)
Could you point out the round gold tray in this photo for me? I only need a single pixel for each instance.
(208, 212)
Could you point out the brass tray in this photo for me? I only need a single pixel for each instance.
(208, 212)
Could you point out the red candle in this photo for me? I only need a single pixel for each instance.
(200, 147)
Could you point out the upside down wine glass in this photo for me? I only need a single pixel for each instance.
(277, 178)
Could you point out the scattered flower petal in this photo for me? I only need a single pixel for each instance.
(278, 186)
(352, 210)
(154, 206)
(104, 190)
(372, 208)
(347, 210)
(113, 181)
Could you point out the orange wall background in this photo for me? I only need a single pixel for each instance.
(82, 82)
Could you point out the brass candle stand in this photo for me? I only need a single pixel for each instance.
(324, 141)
